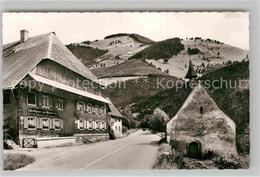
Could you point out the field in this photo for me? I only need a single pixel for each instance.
(128, 68)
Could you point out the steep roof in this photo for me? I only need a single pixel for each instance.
(19, 58)
(191, 72)
(113, 110)
(198, 96)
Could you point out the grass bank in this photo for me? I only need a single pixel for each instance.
(15, 161)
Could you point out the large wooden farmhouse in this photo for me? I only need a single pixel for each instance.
(48, 92)
(200, 127)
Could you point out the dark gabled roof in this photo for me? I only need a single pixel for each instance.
(113, 110)
(19, 58)
(191, 72)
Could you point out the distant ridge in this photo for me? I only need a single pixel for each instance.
(136, 37)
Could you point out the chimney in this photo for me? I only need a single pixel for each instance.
(24, 35)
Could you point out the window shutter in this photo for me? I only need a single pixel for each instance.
(39, 99)
(51, 123)
(105, 125)
(38, 123)
(105, 110)
(50, 101)
(55, 102)
(87, 124)
(84, 124)
(61, 124)
(78, 124)
(25, 122)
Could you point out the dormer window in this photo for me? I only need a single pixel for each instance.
(201, 110)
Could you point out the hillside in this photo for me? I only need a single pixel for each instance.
(233, 101)
(135, 90)
(126, 69)
(111, 50)
(171, 55)
(86, 54)
(211, 56)
(162, 49)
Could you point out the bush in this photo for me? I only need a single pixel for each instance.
(165, 60)
(15, 161)
(226, 161)
(6, 146)
(193, 51)
(156, 124)
(124, 129)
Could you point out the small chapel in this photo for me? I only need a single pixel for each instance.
(200, 126)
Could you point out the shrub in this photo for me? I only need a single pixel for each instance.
(124, 129)
(226, 161)
(156, 124)
(193, 51)
(15, 161)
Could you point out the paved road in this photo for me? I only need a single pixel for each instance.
(136, 151)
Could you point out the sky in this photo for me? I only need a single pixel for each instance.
(228, 27)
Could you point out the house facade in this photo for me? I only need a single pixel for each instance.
(200, 127)
(115, 120)
(48, 92)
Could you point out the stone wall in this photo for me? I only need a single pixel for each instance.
(91, 138)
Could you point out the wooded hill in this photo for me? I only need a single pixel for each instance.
(162, 49)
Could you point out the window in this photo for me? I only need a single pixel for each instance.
(60, 104)
(97, 125)
(118, 128)
(45, 101)
(201, 110)
(80, 124)
(7, 99)
(31, 123)
(80, 106)
(45, 123)
(57, 124)
(101, 110)
(103, 125)
(88, 107)
(104, 110)
(94, 110)
(97, 109)
(90, 125)
(31, 99)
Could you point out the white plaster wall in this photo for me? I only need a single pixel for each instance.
(116, 122)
